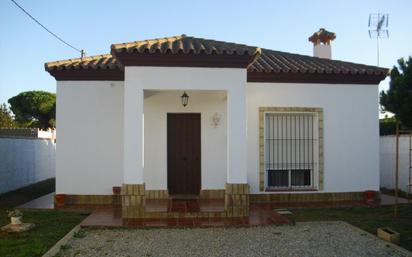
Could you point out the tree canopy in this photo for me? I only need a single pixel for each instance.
(398, 99)
(34, 109)
(6, 119)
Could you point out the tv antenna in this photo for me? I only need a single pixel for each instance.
(378, 28)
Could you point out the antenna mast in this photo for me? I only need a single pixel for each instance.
(378, 28)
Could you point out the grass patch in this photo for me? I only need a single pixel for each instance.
(366, 218)
(51, 225)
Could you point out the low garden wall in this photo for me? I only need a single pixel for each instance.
(387, 161)
(25, 161)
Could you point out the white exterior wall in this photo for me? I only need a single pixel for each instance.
(351, 132)
(25, 161)
(90, 138)
(93, 162)
(387, 161)
(213, 139)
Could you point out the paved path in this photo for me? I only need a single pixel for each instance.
(43, 202)
(390, 200)
(304, 239)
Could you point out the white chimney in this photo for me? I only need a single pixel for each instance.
(321, 43)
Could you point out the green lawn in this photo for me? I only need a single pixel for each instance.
(51, 225)
(366, 218)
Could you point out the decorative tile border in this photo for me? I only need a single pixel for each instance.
(307, 197)
(212, 194)
(170, 215)
(157, 194)
(262, 110)
(91, 199)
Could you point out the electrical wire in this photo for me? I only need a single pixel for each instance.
(38, 22)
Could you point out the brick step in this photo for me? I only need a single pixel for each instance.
(185, 206)
(149, 209)
(167, 215)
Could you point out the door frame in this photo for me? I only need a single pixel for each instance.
(167, 147)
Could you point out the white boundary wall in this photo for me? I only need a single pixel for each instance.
(25, 161)
(387, 161)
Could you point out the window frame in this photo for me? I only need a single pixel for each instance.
(289, 187)
(317, 172)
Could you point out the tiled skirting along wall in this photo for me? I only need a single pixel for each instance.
(306, 197)
(156, 194)
(133, 200)
(149, 194)
(237, 200)
(91, 200)
(212, 194)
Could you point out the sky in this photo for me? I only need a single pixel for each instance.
(93, 25)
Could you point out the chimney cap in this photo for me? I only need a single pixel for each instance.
(322, 36)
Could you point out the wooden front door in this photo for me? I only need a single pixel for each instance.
(183, 153)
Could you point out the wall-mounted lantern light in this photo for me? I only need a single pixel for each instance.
(185, 99)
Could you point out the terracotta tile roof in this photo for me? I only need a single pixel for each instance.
(262, 62)
(281, 62)
(105, 62)
(184, 44)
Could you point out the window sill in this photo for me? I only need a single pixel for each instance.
(308, 189)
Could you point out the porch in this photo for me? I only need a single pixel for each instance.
(174, 148)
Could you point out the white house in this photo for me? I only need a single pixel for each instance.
(259, 125)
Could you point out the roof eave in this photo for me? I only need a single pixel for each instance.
(87, 74)
(183, 59)
(314, 78)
